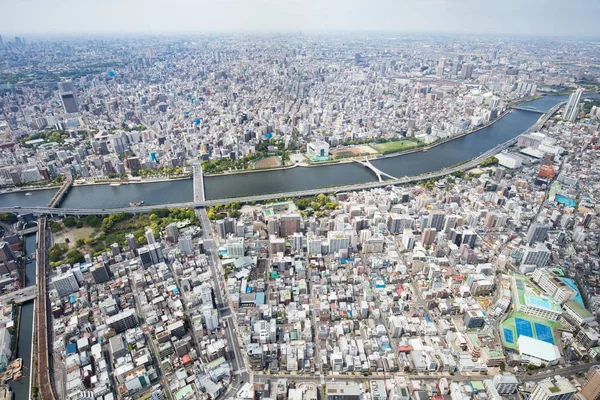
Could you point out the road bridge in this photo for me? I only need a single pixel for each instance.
(20, 296)
(60, 194)
(198, 182)
(528, 108)
(380, 174)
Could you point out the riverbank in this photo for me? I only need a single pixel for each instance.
(129, 182)
(28, 189)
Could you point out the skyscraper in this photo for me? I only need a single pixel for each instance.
(572, 107)
(441, 66)
(467, 71)
(150, 237)
(68, 96)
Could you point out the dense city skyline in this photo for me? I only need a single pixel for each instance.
(535, 18)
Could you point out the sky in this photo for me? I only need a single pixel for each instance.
(504, 17)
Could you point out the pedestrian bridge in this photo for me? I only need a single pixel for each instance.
(380, 174)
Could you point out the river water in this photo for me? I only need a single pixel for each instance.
(20, 388)
(299, 178)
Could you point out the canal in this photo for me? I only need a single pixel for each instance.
(21, 387)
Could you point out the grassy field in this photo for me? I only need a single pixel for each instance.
(393, 147)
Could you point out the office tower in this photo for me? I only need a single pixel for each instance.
(122, 321)
(572, 107)
(150, 237)
(100, 273)
(450, 222)
(131, 242)
(150, 53)
(65, 284)
(151, 254)
(396, 223)
(591, 389)
(186, 245)
(211, 318)
(553, 389)
(1, 41)
(290, 223)
(172, 232)
(68, 96)
(467, 71)
(441, 66)
(6, 253)
(455, 67)
(537, 233)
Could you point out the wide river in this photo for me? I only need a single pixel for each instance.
(299, 178)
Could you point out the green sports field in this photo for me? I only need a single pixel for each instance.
(393, 147)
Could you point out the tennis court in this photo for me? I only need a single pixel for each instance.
(544, 333)
(523, 327)
(508, 336)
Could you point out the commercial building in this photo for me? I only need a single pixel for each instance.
(65, 284)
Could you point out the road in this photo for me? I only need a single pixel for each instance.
(238, 365)
(20, 296)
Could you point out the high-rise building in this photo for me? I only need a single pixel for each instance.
(131, 242)
(428, 236)
(572, 108)
(150, 237)
(467, 71)
(538, 255)
(114, 249)
(441, 66)
(537, 233)
(68, 96)
(591, 389)
(172, 232)
(290, 223)
(100, 273)
(553, 389)
(186, 245)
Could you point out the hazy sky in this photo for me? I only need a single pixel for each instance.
(531, 17)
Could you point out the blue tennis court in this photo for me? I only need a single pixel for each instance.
(508, 336)
(523, 327)
(543, 333)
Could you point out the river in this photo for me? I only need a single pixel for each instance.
(299, 178)
(21, 387)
